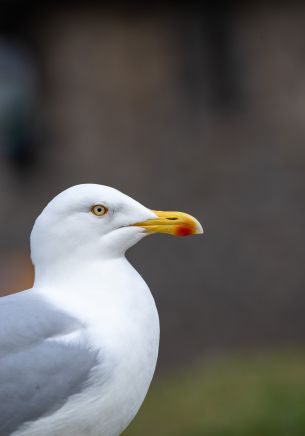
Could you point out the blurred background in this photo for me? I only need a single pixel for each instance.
(198, 107)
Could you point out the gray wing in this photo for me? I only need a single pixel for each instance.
(37, 374)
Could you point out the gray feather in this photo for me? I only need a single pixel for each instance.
(37, 373)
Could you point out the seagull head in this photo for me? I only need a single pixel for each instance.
(95, 221)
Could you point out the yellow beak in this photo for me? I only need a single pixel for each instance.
(174, 223)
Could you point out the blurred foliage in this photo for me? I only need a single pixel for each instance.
(258, 395)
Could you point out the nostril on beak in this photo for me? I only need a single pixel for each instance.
(172, 219)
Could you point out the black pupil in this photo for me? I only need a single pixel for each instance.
(99, 209)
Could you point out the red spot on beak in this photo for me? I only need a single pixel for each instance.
(183, 231)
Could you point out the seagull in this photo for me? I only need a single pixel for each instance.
(78, 351)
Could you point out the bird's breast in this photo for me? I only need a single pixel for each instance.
(120, 321)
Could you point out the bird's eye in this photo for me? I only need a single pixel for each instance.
(99, 210)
